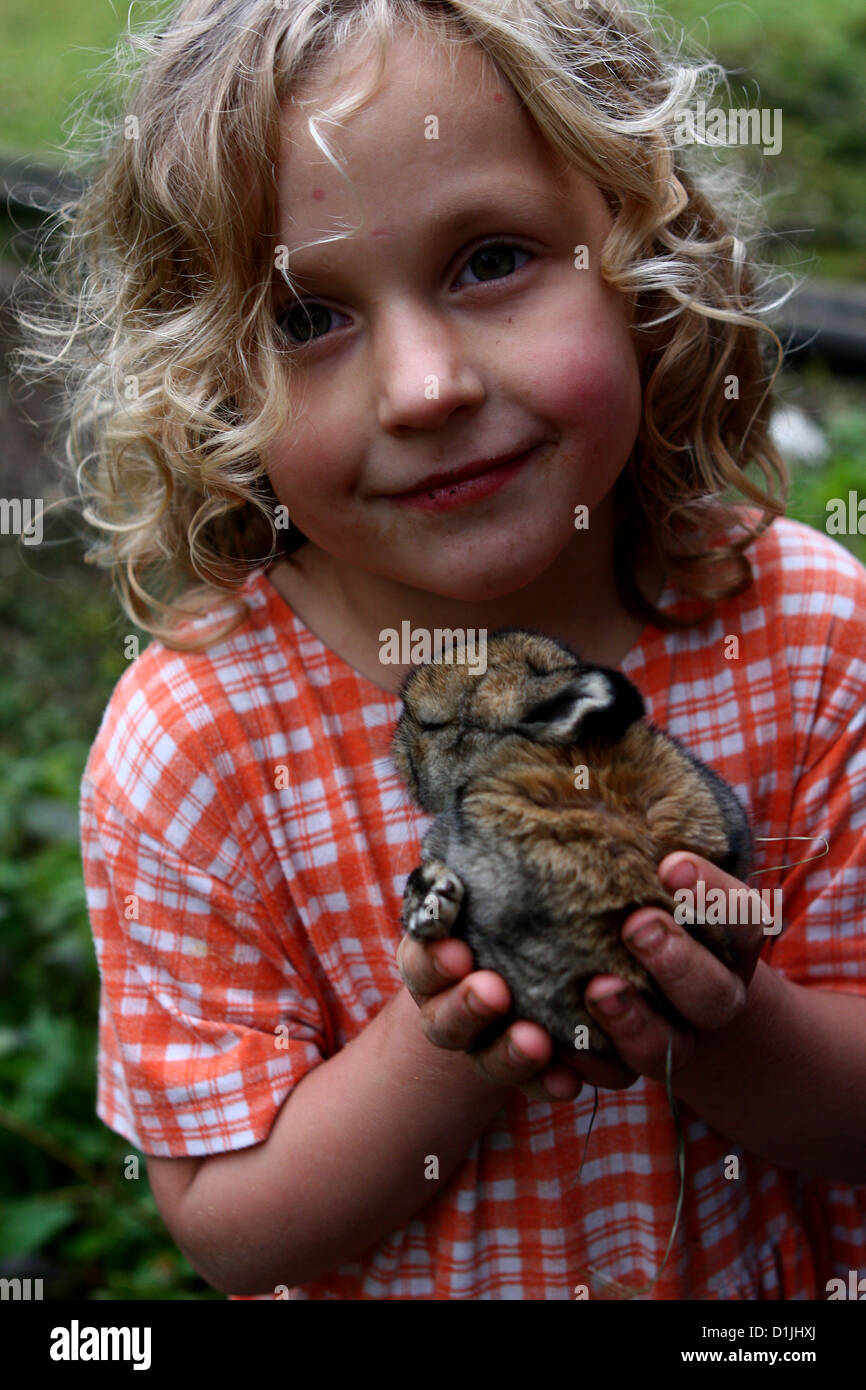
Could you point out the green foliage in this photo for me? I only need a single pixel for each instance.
(64, 1198)
(29, 1223)
(845, 472)
(808, 60)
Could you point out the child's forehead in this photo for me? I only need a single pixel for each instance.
(412, 61)
(440, 116)
(433, 96)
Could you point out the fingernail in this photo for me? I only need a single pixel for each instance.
(477, 1007)
(613, 1004)
(515, 1054)
(682, 875)
(443, 972)
(647, 936)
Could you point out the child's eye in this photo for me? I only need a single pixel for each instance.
(300, 321)
(493, 261)
(493, 256)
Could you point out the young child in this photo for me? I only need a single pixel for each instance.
(437, 283)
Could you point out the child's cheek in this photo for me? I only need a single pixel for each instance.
(583, 375)
(308, 461)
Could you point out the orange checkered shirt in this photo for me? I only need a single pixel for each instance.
(256, 907)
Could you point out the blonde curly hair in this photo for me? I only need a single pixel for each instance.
(158, 305)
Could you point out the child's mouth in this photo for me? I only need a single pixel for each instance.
(448, 495)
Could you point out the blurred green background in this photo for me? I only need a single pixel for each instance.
(807, 58)
(66, 1209)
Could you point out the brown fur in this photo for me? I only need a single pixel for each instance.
(550, 871)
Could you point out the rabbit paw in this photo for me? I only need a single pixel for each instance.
(431, 900)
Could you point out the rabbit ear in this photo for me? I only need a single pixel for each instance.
(598, 703)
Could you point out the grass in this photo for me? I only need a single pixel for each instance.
(48, 52)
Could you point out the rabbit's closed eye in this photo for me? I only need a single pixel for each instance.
(535, 866)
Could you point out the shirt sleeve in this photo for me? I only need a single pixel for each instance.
(823, 902)
(208, 1014)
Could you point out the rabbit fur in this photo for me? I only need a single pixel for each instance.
(536, 874)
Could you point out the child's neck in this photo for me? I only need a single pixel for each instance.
(347, 608)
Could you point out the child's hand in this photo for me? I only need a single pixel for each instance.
(444, 1001)
(707, 994)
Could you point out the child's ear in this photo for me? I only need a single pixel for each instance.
(598, 703)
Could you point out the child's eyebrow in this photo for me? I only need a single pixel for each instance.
(518, 204)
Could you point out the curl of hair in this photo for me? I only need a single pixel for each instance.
(159, 307)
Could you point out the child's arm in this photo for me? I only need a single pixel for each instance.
(344, 1163)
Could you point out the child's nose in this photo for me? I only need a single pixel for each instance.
(424, 368)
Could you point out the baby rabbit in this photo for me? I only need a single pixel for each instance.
(535, 864)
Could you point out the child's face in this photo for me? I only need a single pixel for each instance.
(423, 356)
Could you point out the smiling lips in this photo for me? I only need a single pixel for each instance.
(469, 484)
